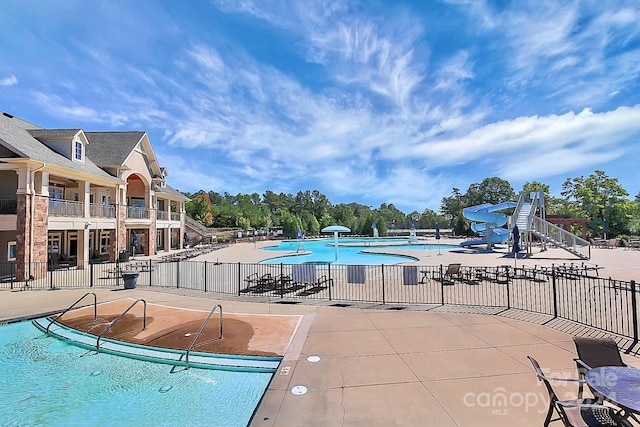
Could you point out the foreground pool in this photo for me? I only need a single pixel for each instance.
(45, 381)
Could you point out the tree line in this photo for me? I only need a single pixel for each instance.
(598, 198)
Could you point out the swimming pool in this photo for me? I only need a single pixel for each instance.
(351, 251)
(46, 381)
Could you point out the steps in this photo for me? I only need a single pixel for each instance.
(161, 355)
(528, 222)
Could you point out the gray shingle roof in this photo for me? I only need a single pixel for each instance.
(111, 148)
(15, 138)
(53, 133)
(170, 191)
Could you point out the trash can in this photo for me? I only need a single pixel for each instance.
(123, 256)
(130, 279)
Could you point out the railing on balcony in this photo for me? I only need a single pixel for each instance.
(8, 206)
(137, 212)
(102, 211)
(58, 207)
(164, 215)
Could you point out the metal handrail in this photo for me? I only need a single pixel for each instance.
(117, 319)
(560, 237)
(95, 309)
(204, 324)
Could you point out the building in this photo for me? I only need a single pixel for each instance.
(70, 197)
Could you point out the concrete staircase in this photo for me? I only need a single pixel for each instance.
(528, 222)
(193, 226)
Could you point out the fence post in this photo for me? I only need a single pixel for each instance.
(441, 285)
(282, 282)
(239, 272)
(555, 295)
(150, 272)
(383, 296)
(91, 275)
(634, 313)
(329, 279)
(178, 274)
(205, 275)
(508, 287)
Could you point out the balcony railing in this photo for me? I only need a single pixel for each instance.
(58, 207)
(8, 206)
(102, 211)
(138, 213)
(163, 215)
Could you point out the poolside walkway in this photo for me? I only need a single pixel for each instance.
(378, 366)
(617, 263)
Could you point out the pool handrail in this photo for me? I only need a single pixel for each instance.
(204, 324)
(95, 309)
(117, 319)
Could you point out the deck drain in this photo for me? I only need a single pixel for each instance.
(299, 390)
(340, 305)
(313, 359)
(396, 308)
(287, 302)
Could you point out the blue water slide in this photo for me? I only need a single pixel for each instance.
(483, 215)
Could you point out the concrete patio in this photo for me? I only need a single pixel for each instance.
(379, 366)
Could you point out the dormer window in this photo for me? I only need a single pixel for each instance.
(78, 151)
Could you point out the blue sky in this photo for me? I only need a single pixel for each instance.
(372, 101)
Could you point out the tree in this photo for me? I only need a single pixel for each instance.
(552, 204)
(453, 204)
(491, 190)
(599, 198)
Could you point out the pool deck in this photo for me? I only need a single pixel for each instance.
(378, 366)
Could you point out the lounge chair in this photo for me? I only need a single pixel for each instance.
(322, 283)
(594, 353)
(259, 284)
(448, 277)
(578, 412)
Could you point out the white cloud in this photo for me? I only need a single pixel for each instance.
(9, 81)
(535, 147)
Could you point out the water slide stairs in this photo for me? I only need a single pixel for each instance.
(527, 221)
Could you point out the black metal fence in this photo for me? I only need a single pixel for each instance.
(575, 294)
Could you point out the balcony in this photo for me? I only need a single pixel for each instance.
(102, 211)
(162, 215)
(58, 207)
(138, 213)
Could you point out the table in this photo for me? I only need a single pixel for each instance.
(617, 384)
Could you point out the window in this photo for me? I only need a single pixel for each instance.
(56, 192)
(104, 242)
(78, 152)
(11, 251)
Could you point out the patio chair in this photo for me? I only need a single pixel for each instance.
(578, 412)
(594, 353)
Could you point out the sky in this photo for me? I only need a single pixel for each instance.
(365, 101)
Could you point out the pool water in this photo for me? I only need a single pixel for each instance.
(351, 251)
(45, 381)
